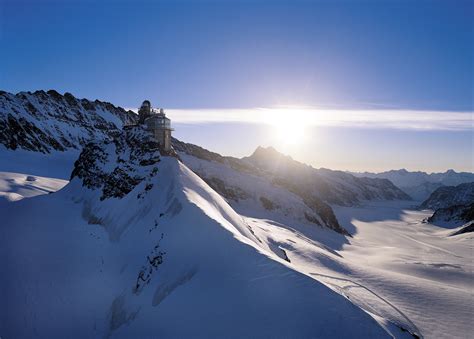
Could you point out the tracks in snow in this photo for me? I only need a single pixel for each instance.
(372, 308)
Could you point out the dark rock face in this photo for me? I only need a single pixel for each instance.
(127, 153)
(145, 274)
(119, 184)
(453, 204)
(468, 228)
(456, 213)
(48, 121)
(468, 213)
(448, 196)
(268, 204)
(20, 133)
(228, 192)
(325, 212)
(88, 166)
(316, 204)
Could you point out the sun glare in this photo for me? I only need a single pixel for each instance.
(289, 125)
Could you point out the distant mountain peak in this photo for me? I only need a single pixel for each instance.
(420, 185)
(269, 151)
(271, 156)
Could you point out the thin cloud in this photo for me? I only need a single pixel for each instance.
(382, 118)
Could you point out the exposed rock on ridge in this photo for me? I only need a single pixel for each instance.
(47, 121)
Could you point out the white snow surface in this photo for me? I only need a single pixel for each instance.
(16, 186)
(71, 263)
(396, 267)
(52, 165)
(416, 266)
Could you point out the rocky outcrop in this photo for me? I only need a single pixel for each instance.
(452, 204)
(229, 192)
(48, 121)
(448, 196)
(467, 228)
(116, 166)
(457, 213)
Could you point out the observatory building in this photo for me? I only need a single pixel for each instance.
(156, 122)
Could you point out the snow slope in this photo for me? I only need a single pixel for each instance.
(253, 195)
(16, 186)
(55, 164)
(396, 267)
(137, 245)
(425, 274)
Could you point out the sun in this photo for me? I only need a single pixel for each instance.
(289, 133)
(288, 126)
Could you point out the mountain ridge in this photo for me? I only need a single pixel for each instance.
(254, 186)
(26, 121)
(419, 185)
(447, 196)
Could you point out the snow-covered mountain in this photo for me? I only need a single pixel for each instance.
(335, 187)
(251, 193)
(48, 121)
(269, 183)
(137, 245)
(419, 185)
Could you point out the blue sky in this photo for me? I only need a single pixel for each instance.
(380, 56)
